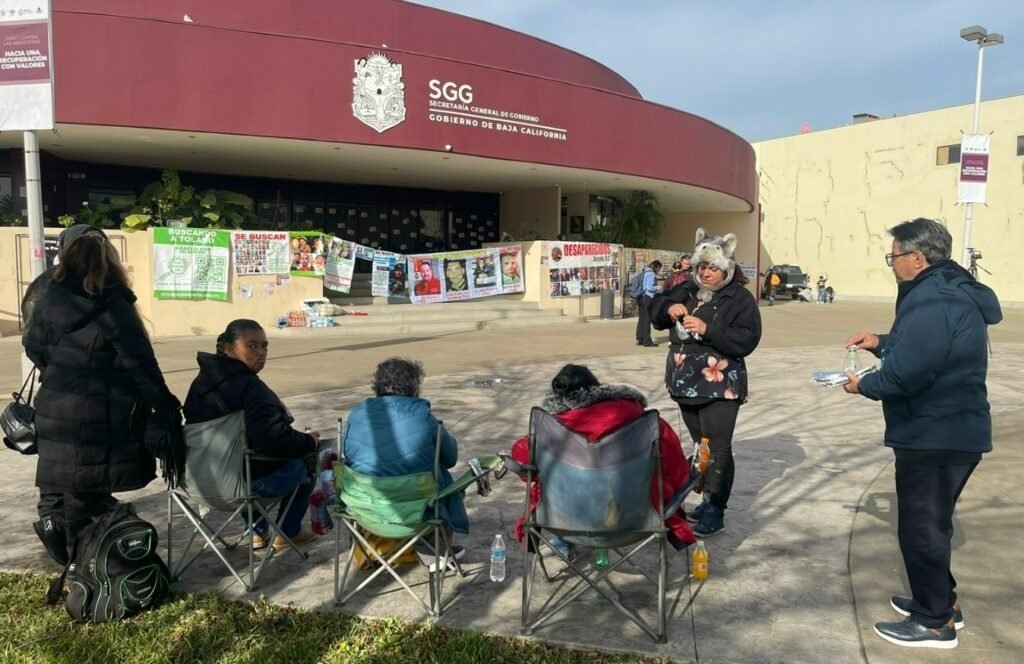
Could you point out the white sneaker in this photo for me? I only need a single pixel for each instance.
(428, 561)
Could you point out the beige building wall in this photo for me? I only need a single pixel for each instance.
(163, 317)
(536, 211)
(828, 197)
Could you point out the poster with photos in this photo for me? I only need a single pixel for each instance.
(464, 275)
(308, 253)
(582, 268)
(340, 264)
(260, 252)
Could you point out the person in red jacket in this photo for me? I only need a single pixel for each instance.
(583, 404)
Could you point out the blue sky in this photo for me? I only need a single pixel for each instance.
(762, 69)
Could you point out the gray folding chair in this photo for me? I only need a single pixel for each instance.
(218, 477)
(598, 495)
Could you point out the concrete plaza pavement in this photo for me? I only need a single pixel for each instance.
(808, 558)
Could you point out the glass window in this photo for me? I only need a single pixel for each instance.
(310, 216)
(1020, 146)
(947, 154)
(274, 214)
(6, 193)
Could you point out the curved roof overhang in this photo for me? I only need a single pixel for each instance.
(271, 96)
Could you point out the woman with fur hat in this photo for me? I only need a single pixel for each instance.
(713, 324)
(583, 404)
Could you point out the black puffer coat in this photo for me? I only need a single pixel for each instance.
(99, 380)
(225, 385)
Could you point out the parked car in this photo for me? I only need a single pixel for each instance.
(792, 278)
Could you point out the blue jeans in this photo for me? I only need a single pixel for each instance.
(282, 482)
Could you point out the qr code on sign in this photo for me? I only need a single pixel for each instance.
(210, 270)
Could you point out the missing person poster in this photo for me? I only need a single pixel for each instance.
(582, 268)
(308, 253)
(383, 265)
(341, 262)
(465, 275)
(260, 252)
(190, 263)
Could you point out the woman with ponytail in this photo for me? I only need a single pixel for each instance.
(227, 383)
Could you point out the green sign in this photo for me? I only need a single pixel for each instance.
(191, 263)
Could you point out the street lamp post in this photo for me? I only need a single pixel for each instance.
(984, 38)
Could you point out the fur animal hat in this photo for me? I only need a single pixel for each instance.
(717, 251)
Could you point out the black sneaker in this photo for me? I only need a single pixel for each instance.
(693, 516)
(901, 605)
(52, 535)
(712, 521)
(912, 635)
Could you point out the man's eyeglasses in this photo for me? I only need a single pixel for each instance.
(889, 258)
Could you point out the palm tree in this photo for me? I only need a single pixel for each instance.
(636, 221)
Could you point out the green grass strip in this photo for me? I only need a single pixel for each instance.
(206, 628)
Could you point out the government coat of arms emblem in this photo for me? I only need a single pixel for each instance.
(378, 93)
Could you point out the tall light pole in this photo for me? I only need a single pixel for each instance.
(984, 38)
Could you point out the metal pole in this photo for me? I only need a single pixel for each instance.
(34, 195)
(969, 214)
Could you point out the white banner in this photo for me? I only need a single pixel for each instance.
(464, 275)
(383, 265)
(260, 252)
(973, 168)
(341, 262)
(582, 268)
(26, 83)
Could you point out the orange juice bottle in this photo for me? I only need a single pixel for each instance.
(703, 454)
(700, 561)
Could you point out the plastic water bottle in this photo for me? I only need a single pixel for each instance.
(702, 454)
(851, 364)
(498, 559)
(601, 557)
(700, 561)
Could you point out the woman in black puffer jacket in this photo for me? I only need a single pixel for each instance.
(715, 324)
(227, 383)
(100, 383)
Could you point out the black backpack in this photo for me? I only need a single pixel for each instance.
(114, 571)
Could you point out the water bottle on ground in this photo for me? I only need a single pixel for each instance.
(851, 363)
(498, 559)
(601, 557)
(700, 561)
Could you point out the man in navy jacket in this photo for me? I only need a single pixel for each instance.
(932, 387)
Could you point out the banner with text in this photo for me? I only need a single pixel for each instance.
(260, 252)
(973, 168)
(582, 268)
(465, 275)
(384, 263)
(190, 263)
(26, 83)
(341, 262)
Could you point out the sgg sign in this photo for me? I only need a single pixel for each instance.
(451, 91)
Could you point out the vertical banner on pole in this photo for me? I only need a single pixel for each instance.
(26, 84)
(973, 168)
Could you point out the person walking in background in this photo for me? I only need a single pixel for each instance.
(649, 279)
(932, 387)
(100, 384)
(713, 323)
(822, 283)
(680, 274)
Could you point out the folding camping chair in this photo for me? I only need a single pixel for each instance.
(599, 495)
(218, 477)
(399, 508)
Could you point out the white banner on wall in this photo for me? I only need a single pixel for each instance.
(26, 83)
(973, 168)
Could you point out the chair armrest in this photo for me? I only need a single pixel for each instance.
(487, 463)
(673, 503)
